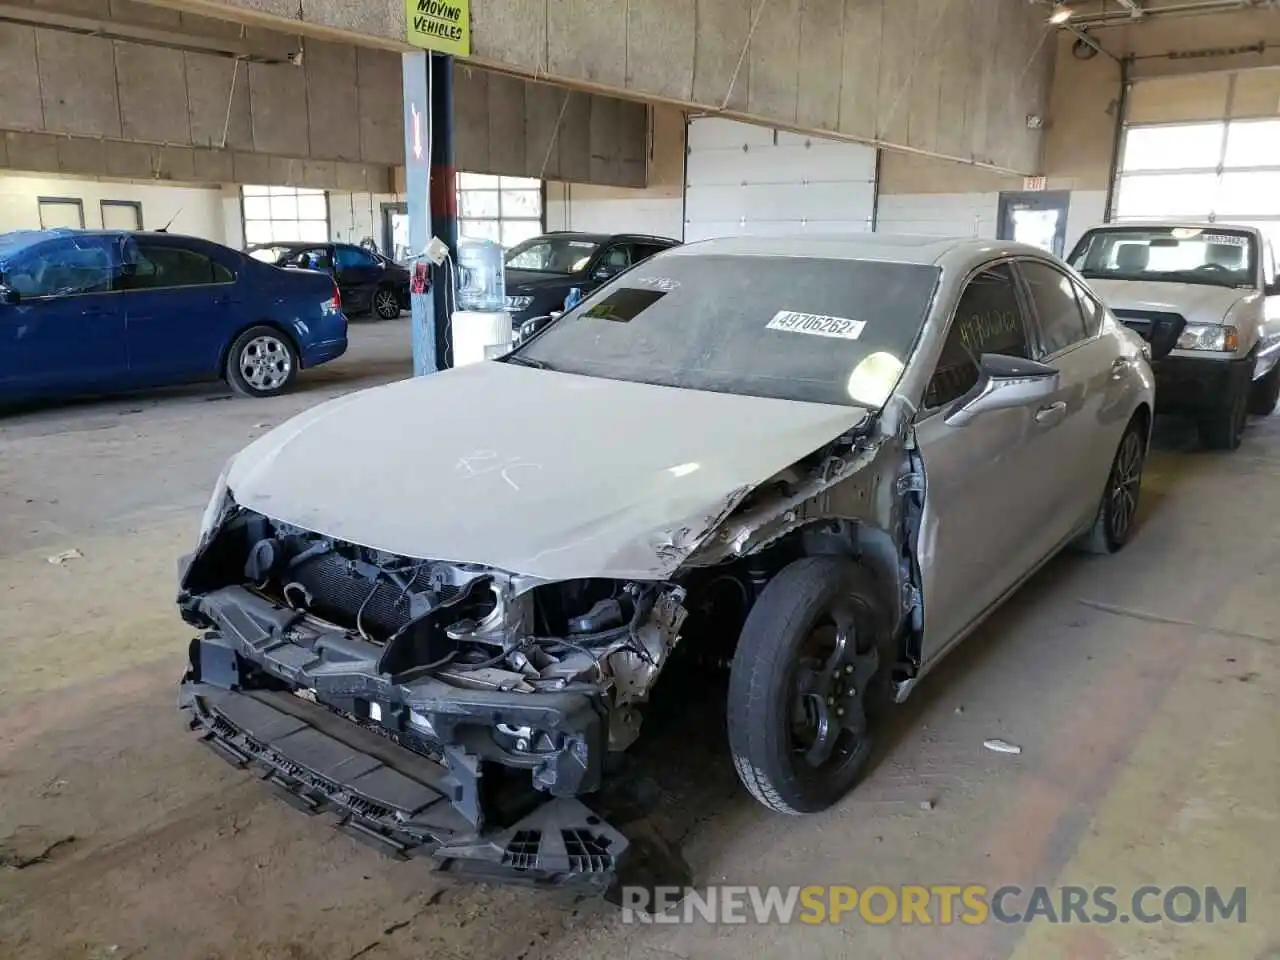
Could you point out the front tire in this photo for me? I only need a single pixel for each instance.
(386, 305)
(262, 362)
(1264, 393)
(1224, 428)
(1114, 525)
(807, 662)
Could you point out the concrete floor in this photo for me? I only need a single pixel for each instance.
(1148, 744)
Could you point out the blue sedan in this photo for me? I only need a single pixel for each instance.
(100, 311)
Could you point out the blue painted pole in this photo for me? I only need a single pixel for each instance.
(417, 169)
(444, 201)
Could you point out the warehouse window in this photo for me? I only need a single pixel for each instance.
(120, 214)
(1223, 172)
(506, 210)
(60, 212)
(273, 214)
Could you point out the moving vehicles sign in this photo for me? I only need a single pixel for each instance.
(440, 25)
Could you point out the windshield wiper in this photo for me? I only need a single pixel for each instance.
(526, 361)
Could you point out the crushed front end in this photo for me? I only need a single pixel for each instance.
(433, 708)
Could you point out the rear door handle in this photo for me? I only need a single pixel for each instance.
(1054, 413)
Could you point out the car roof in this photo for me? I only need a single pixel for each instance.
(297, 244)
(1184, 224)
(603, 237)
(881, 247)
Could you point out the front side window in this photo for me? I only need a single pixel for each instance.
(1092, 310)
(1057, 310)
(792, 328)
(1214, 256)
(988, 319)
(161, 266)
(312, 258)
(61, 268)
(352, 258)
(559, 255)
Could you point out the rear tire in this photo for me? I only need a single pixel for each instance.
(1114, 525)
(798, 692)
(1264, 393)
(1224, 428)
(386, 305)
(262, 362)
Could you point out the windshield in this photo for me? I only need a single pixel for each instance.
(1220, 257)
(562, 255)
(822, 331)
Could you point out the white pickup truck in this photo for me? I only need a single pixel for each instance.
(1205, 297)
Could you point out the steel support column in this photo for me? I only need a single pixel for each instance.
(430, 193)
(444, 200)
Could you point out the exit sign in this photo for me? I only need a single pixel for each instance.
(1034, 183)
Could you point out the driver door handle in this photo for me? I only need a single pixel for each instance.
(1053, 414)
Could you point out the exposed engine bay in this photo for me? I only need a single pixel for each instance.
(471, 627)
(512, 688)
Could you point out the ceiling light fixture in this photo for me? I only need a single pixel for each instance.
(1061, 13)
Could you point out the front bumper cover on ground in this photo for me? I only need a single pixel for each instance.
(393, 798)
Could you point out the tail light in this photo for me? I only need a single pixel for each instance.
(335, 302)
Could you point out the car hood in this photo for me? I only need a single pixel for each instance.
(531, 471)
(526, 282)
(1197, 302)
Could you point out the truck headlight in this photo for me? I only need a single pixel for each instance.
(1209, 336)
(519, 303)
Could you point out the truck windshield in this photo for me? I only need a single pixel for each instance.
(1219, 257)
(792, 328)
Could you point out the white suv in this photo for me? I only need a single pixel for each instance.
(1205, 296)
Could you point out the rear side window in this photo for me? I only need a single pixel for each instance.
(1057, 310)
(161, 266)
(988, 319)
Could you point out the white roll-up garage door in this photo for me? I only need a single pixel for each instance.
(1201, 148)
(747, 180)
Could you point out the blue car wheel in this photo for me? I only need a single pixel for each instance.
(261, 363)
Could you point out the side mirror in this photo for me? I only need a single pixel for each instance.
(1004, 382)
(9, 296)
(529, 329)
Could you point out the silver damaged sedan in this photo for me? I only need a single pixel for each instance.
(440, 609)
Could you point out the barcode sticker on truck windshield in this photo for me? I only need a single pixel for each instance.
(816, 325)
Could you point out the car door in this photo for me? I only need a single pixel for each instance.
(66, 330)
(181, 304)
(358, 275)
(1074, 433)
(978, 507)
(612, 260)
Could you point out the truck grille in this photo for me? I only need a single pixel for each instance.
(1159, 328)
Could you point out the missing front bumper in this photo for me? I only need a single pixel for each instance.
(393, 798)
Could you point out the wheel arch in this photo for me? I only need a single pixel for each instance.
(870, 547)
(1143, 415)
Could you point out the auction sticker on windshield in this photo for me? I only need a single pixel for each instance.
(816, 324)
